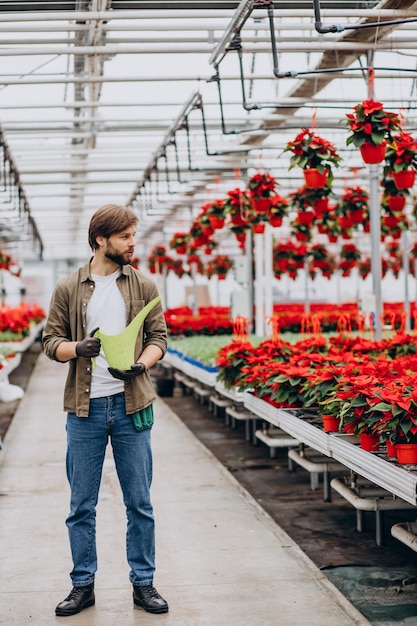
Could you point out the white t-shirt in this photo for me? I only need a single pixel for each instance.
(106, 310)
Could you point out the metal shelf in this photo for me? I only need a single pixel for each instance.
(401, 481)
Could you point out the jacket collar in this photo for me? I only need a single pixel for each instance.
(86, 275)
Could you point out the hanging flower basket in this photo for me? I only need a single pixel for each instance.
(372, 154)
(261, 186)
(315, 179)
(404, 179)
(312, 152)
(371, 128)
(401, 160)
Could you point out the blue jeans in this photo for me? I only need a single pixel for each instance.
(87, 439)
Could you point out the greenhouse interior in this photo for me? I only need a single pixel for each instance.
(268, 153)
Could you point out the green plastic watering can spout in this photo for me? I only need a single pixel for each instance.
(120, 349)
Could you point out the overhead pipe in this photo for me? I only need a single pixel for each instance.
(201, 25)
(288, 101)
(338, 28)
(59, 79)
(318, 46)
(143, 15)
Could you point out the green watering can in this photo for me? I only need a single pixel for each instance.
(120, 349)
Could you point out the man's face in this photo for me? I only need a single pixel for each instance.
(120, 247)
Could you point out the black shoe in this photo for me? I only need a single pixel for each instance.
(149, 599)
(79, 598)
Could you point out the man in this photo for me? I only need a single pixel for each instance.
(103, 402)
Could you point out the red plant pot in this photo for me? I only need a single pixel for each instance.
(332, 238)
(357, 216)
(275, 221)
(372, 154)
(391, 450)
(407, 453)
(216, 222)
(181, 249)
(315, 179)
(221, 276)
(391, 221)
(262, 205)
(396, 203)
(237, 220)
(302, 236)
(321, 206)
(330, 423)
(305, 217)
(369, 442)
(258, 228)
(345, 222)
(404, 179)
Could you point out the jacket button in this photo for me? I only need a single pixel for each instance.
(88, 369)
(87, 390)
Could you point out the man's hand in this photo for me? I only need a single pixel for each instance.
(89, 346)
(135, 370)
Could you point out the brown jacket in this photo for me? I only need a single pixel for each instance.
(66, 321)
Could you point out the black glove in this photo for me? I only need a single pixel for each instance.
(135, 370)
(89, 346)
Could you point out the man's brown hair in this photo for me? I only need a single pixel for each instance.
(108, 220)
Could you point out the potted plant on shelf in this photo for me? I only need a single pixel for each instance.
(315, 156)
(394, 408)
(371, 128)
(401, 160)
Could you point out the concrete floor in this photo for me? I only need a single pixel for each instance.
(221, 560)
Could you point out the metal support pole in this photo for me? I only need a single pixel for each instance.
(259, 275)
(249, 279)
(268, 286)
(306, 290)
(193, 267)
(376, 264)
(406, 289)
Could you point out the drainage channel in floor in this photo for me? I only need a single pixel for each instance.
(387, 597)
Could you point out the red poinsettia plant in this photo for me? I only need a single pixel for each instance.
(353, 203)
(311, 151)
(219, 265)
(179, 241)
(401, 154)
(262, 185)
(370, 123)
(237, 206)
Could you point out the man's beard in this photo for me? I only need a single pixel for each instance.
(119, 259)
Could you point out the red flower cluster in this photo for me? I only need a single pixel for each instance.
(370, 123)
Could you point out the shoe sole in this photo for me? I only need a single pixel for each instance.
(138, 605)
(63, 613)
